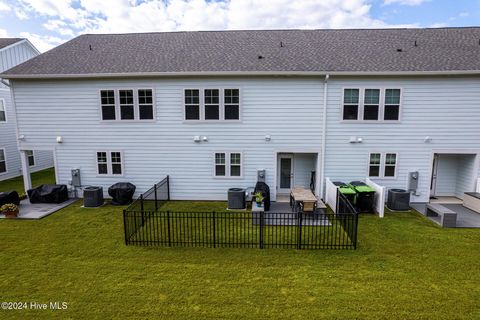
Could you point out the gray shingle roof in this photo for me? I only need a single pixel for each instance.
(5, 42)
(362, 50)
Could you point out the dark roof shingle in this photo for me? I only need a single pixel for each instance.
(362, 50)
(5, 42)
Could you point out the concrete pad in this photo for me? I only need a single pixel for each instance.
(37, 211)
(466, 218)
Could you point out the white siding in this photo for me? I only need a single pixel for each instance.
(288, 109)
(10, 57)
(303, 165)
(466, 176)
(447, 109)
(446, 175)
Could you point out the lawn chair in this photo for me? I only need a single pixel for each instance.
(307, 207)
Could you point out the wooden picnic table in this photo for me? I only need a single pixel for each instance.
(303, 195)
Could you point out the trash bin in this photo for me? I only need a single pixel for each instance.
(365, 197)
(348, 192)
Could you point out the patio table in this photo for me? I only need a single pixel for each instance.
(300, 194)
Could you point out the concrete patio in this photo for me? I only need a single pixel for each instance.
(466, 218)
(282, 214)
(37, 211)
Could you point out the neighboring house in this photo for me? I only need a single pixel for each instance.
(14, 51)
(211, 108)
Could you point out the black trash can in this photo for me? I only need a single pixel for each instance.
(365, 199)
(348, 192)
(121, 193)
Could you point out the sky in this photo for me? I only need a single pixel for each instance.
(48, 23)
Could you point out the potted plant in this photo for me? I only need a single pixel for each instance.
(9, 210)
(259, 199)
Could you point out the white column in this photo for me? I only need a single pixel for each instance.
(27, 181)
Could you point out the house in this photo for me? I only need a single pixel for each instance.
(14, 51)
(210, 109)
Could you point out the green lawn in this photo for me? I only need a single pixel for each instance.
(405, 268)
(46, 176)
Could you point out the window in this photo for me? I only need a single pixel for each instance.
(232, 104)
(108, 104)
(390, 164)
(145, 104)
(3, 161)
(3, 112)
(371, 104)
(392, 104)
(212, 104)
(350, 104)
(382, 165)
(126, 104)
(374, 167)
(30, 157)
(192, 104)
(228, 164)
(109, 163)
(220, 164)
(235, 164)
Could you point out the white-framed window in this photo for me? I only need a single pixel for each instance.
(127, 104)
(3, 111)
(382, 165)
(212, 104)
(3, 161)
(109, 163)
(371, 104)
(30, 157)
(228, 164)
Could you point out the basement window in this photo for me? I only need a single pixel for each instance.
(3, 161)
(109, 163)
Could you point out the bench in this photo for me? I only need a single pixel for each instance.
(448, 218)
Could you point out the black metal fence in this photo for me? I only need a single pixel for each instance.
(241, 228)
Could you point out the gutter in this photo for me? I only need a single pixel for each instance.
(239, 73)
(324, 134)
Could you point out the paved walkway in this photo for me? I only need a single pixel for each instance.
(38, 210)
(466, 218)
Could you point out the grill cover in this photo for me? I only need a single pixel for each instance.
(265, 190)
(9, 197)
(121, 193)
(48, 193)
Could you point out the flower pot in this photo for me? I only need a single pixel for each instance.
(11, 214)
(259, 204)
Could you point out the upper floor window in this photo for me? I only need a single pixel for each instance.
(371, 104)
(3, 112)
(30, 157)
(127, 104)
(3, 161)
(109, 163)
(228, 164)
(382, 165)
(212, 104)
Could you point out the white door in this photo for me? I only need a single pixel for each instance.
(433, 182)
(285, 173)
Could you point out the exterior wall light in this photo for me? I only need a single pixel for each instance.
(59, 139)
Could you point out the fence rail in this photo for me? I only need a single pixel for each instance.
(242, 229)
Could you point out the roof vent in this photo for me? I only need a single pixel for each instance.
(261, 57)
(90, 47)
(415, 44)
(282, 44)
(399, 50)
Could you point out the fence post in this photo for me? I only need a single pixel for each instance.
(261, 229)
(355, 231)
(155, 189)
(337, 202)
(168, 225)
(141, 209)
(214, 231)
(299, 240)
(168, 188)
(125, 226)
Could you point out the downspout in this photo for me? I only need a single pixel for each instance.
(324, 135)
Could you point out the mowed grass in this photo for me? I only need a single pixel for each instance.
(405, 268)
(46, 176)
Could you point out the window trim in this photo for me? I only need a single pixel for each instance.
(6, 164)
(201, 98)
(136, 105)
(33, 156)
(361, 104)
(109, 163)
(4, 110)
(383, 159)
(228, 165)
